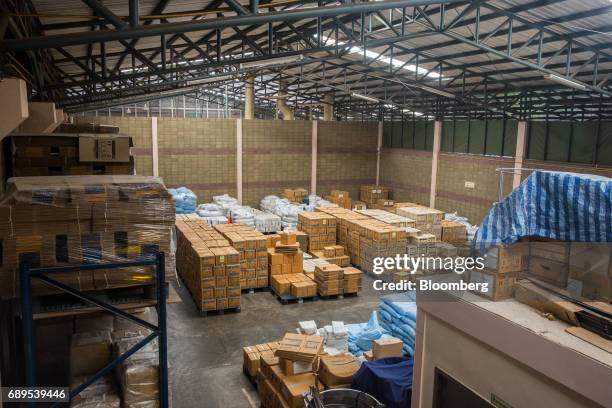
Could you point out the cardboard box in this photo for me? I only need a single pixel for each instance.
(303, 289)
(295, 386)
(505, 258)
(299, 347)
(101, 148)
(287, 238)
(549, 271)
(337, 370)
(387, 347)
(500, 286)
(89, 352)
(291, 367)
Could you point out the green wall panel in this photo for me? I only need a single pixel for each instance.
(510, 138)
(584, 139)
(408, 135)
(605, 144)
(396, 134)
(462, 128)
(420, 135)
(477, 136)
(558, 141)
(446, 144)
(495, 136)
(537, 141)
(387, 134)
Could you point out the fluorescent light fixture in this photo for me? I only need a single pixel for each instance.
(272, 61)
(565, 81)
(364, 97)
(209, 80)
(437, 91)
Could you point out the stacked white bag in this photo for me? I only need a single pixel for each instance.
(284, 209)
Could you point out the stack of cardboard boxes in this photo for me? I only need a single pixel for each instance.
(389, 218)
(96, 341)
(503, 264)
(453, 231)
(338, 371)
(252, 246)
(286, 269)
(283, 379)
(427, 220)
(370, 194)
(329, 279)
(63, 155)
(56, 221)
(295, 195)
(320, 227)
(341, 198)
(351, 281)
(209, 266)
(333, 254)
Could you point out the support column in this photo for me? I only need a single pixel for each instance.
(239, 160)
(434, 162)
(328, 106)
(313, 157)
(521, 133)
(249, 97)
(154, 146)
(378, 147)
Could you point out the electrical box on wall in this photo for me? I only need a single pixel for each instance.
(104, 148)
(470, 184)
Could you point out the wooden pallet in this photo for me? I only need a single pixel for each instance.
(338, 296)
(254, 290)
(220, 312)
(287, 298)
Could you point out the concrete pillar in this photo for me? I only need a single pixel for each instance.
(249, 97)
(281, 101)
(239, 161)
(378, 147)
(42, 116)
(434, 162)
(521, 134)
(328, 106)
(13, 104)
(154, 147)
(313, 157)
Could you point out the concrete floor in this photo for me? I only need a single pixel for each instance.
(205, 353)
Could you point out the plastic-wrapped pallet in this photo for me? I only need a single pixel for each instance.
(398, 317)
(267, 222)
(185, 199)
(313, 201)
(284, 209)
(470, 229)
(225, 202)
(242, 215)
(210, 210)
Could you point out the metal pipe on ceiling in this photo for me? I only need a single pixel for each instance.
(90, 37)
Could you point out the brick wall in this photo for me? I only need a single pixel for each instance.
(407, 173)
(199, 154)
(453, 172)
(276, 154)
(346, 156)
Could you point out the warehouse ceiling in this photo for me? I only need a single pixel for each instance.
(480, 59)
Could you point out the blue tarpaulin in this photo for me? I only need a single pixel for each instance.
(555, 205)
(389, 380)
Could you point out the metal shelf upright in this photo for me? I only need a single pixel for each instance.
(157, 331)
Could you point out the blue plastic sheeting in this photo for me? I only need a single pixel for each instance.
(389, 380)
(361, 336)
(185, 199)
(398, 318)
(555, 205)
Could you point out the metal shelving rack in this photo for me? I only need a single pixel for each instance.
(157, 331)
